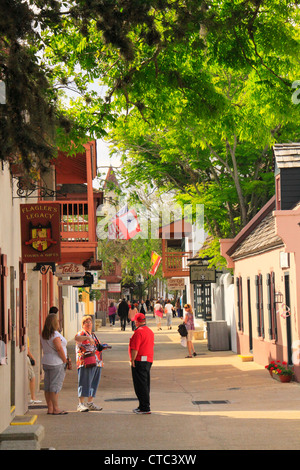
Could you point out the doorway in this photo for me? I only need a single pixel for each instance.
(202, 300)
(249, 315)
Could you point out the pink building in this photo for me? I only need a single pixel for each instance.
(265, 257)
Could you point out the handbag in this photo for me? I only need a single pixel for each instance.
(89, 359)
(182, 330)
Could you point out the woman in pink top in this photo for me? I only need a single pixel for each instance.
(112, 314)
(189, 323)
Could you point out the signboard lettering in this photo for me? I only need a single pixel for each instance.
(70, 269)
(176, 283)
(200, 274)
(40, 232)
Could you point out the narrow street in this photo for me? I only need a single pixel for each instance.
(211, 402)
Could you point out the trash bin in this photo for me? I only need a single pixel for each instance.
(217, 335)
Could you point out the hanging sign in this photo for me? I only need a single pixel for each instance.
(71, 282)
(200, 274)
(100, 284)
(176, 283)
(116, 287)
(70, 269)
(40, 232)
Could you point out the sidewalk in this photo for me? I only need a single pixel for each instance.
(211, 402)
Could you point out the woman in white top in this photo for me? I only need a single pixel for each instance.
(54, 362)
(169, 314)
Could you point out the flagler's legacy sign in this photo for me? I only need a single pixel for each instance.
(40, 232)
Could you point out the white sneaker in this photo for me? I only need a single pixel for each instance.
(82, 407)
(92, 407)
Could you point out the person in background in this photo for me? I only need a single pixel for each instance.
(141, 352)
(169, 313)
(112, 314)
(31, 375)
(123, 309)
(189, 323)
(158, 311)
(88, 377)
(54, 362)
(53, 310)
(131, 314)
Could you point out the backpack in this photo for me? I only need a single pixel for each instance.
(182, 330)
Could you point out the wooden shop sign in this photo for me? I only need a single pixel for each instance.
(40, 232)
(199, 274)
(70, 269)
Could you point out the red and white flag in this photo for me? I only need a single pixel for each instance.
(124, 225)
(155, 262)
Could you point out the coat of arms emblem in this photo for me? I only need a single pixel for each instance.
(41, 237)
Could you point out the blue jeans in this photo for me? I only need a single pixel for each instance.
(88, 381)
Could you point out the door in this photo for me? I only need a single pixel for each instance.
(288, 319)
(202, 301)
(249, 315)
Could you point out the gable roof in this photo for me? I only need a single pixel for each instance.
(287, 155)
(110, 178)
(258, 235)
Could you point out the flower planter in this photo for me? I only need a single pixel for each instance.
(282, 378)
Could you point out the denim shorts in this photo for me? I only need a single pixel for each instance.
(54, 377)
(88, 381)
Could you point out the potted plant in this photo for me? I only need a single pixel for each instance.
(280, 371)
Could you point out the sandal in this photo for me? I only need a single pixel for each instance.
(61, 413)
(188, 356)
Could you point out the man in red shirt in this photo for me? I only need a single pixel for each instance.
(141, 350)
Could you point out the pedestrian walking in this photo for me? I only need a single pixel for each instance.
(141, 352)
(54, 361)
(169, 314)
(112, 311)
(89, 365)
(131, 314)
(158, 311)
(123, 310)
(189, 323)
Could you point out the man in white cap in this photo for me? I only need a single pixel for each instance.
(141, 351)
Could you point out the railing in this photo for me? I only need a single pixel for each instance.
(74, 221)
(176, 262)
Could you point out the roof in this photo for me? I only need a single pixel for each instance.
(110, 178)
(287, 155)
(263, 238)
(258, 235)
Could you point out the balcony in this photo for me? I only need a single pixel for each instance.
(78, 235)
(175, 264)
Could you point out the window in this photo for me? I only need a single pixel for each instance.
(3, 299)
(239, 287)
(271, 306)
(278, 193)
(22, 305)
(259, 306)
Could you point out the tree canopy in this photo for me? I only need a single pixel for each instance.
(192, 93)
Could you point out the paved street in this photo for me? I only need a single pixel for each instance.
(211, 402)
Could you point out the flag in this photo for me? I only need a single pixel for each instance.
(155, 262)
(124, 225)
